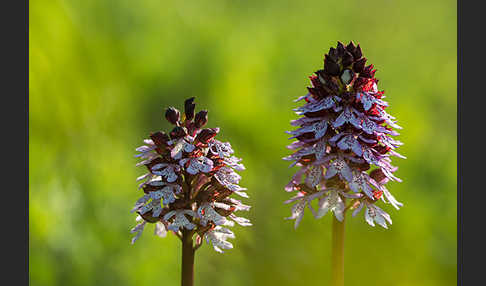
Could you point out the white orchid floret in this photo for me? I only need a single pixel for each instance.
(373, 214)
(314, 176)
(229, 179)
(360, 182)
(301, 200)
(198, 164)
(239, 206)
(318, 128)
(181, 145)
(234, 163)
(167, 171)
(207, 213)
(218, 236)
(180, 219)
(339, 166)
(221, 149)
(160, 229)
(167, 192)
(240, 220)
(143, 205)
(147, 177)
(331, 202)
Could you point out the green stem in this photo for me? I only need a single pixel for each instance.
(187, 273)
(337, 256)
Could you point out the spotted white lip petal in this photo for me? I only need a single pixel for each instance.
(180, 220)
(176, 151)
(331, 172)
(369, 216)
(314, 177)
(323, 205)
(207, 213)
(297, 212)
(168, 171)
(218, 236)
(160, 229)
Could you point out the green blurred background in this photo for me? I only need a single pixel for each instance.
(102, 72)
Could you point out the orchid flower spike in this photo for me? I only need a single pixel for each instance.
(191, 176)
(344, 142)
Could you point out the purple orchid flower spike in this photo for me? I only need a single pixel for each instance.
(187, 189)
(343, 143)
(345, 131)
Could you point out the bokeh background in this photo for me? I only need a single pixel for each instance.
(102, 72)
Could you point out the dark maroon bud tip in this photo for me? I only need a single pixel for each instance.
(351, 47)
(347, 59)
(160, 138)
(367, 72)
(378, 175)
(189, 107)
(178, 132)
(357, 53)
(359, 65)
(333, 54)
(340, 49)
(331, 67)
(201, 118)
(172, 115)
(207, 134)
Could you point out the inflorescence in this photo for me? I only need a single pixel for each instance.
(191, 176)
(344, 141)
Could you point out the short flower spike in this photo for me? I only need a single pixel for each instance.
(344, 142)
(191, 176)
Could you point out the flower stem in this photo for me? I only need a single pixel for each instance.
(187, 273)
(337, 256)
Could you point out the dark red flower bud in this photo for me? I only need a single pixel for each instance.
(333, 53)
(347, 59)
(357, 53)
(382, 149)
(378, 175)
(351, 47)
(201, 118)
(172, 115)
(367, 72)
(160, 138)
(330, 66)
(207, 134)
(189, 107)
(359, 65)
(178, 132)
(359, 82)
(340, 49)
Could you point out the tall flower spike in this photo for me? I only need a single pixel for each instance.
(190, 179)
(344, 142)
